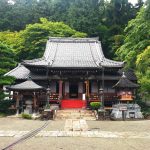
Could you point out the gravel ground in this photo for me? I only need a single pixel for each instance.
(120, 126)
(77, 143)
(28, 125)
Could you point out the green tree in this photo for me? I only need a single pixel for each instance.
(7, 63)
(143, 71)
(137, 38)
(84, 16)
(135, 50)
(11, 38)
(34, 37)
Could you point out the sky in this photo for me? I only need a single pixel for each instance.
(133, 1)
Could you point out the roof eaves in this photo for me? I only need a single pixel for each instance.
(7, 74)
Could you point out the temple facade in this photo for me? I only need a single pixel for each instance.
(74, 69)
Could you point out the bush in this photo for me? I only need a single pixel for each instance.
(144, 107)
(2, 115)
(146, 115)
(26, 116)
(95, 105)
(5, 105)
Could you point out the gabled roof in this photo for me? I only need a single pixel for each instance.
(73, 53)
(25, 86)
(124, 82)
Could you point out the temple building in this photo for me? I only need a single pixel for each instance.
(74, 69)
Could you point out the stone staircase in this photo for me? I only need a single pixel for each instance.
(75, 114)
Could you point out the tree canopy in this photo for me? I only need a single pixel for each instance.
(98, 18)
(7, 63)
(135, 50)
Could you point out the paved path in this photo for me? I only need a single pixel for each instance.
(77, 128)
(100, 134)
(76, 125)
(114, 135)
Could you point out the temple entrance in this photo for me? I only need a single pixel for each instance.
(73, 90)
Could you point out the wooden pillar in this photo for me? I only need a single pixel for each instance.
(60, 88)
(34, 101)
(17, 103)
(87, 88)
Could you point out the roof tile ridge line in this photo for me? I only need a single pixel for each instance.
(98, 52)
(76, 38)
(54, 55)
(19, 65)
(92, 55)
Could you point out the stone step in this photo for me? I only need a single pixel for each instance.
(75, 114)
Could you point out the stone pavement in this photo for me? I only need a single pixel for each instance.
(76, 125)
(92, 134)
(78, 128)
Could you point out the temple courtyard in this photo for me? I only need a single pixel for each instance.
(77, 134)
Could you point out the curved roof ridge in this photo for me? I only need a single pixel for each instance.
(19, 72)
(26, 85)
(99, 51)
(19, 64)
(93, 55)
(52, 61)
(113, 61)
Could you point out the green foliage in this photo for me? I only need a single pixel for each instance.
(2, 95)
(8, 37)
(7, 63)
(5, 107)
(97, 18)
(95, 105)
(2, 115)
(136, 49)
(143, 71)
(26, 116)
(34, 37)
(145, 109)
(136, 39)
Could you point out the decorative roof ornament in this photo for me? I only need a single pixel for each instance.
(124, 82)
(123, 75)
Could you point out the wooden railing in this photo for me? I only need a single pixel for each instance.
(107, 97)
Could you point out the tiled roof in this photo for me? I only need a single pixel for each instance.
(128, 73)
(124, 82)
(73, 53)
(20, 72)
(27, 85)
